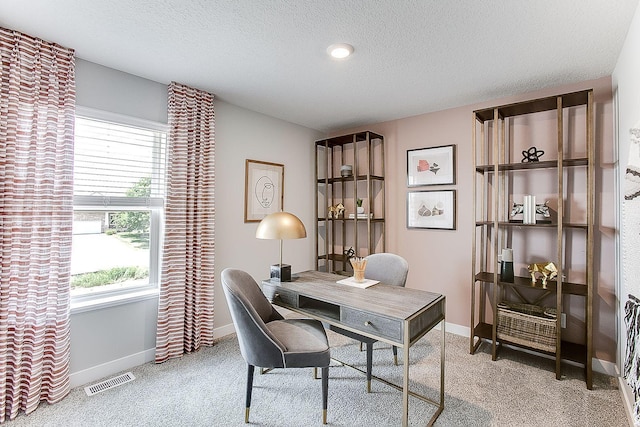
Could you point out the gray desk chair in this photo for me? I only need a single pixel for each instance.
(267, 340)
(390, 269)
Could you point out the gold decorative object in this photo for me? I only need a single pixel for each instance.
(281, 226)
(548, 270)
(336, 211)
(332, 212)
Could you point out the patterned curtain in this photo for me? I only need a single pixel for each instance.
(185, 311)
(37, 107)
(631, 267)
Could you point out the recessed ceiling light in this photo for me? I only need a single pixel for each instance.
(340, 50)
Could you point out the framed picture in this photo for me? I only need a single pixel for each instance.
(263, 189)
(431, 209)
(431, 166)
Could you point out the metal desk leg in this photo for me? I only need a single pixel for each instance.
(405, 380)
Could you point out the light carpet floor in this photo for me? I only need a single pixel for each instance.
(207, 389)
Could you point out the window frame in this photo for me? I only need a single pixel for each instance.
(154, 205)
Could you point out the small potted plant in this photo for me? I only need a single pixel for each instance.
(359, 208)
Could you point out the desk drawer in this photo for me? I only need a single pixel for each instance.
(373, 324)
(277, 294)
(286, 297)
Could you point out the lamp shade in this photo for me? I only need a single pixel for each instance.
(281, 225)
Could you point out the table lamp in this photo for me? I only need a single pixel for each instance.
(281, 225)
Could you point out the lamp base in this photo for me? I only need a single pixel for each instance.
(281, 272)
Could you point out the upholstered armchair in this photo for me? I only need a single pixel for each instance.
(267, 340)
(389, 269)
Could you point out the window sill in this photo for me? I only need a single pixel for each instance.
(113, 300)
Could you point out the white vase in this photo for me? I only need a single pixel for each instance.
(360, 209)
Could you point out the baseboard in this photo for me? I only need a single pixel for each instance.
(223, 331)
(601, 366)
(116, 366)
(627, 399)
(110, 368)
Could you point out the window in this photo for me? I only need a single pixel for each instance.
(119, 170)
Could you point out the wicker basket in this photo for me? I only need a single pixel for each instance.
(527, 324)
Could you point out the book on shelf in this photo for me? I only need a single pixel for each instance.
(361, 216)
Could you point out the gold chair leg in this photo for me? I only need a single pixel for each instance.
(315, 373)
(246, 415)
(395, 359)
(368, 386)
(324, 416)
(360, 345)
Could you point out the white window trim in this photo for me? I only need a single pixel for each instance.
(105, 299)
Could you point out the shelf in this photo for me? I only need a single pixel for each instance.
(348, 139)
(352, 219)
(525, 282)
(349, 179)
(536, 225)
(568, 350)
(534, 106)
(547, 164)
(498, 135)
(364, 233)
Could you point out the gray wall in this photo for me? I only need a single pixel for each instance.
(111, 339)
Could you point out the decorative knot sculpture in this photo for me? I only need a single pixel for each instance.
(531, 155)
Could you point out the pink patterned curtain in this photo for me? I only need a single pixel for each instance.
(185, 312)
(37, 107)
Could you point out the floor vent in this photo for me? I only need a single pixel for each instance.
(108, 384)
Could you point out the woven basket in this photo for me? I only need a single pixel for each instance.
(527, 324)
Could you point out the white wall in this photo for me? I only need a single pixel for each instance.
(109, 340)
(626, 87)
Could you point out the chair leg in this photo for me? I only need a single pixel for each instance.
(325, 393)
(250, 369)
(360, 345)
(369, 363)
(395, 355)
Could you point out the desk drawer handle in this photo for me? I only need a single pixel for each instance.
(367, 323)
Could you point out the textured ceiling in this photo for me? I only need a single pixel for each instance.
(411, 56)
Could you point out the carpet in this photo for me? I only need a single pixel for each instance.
(207, 388)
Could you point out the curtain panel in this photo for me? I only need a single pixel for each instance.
(37, 107)
(185, 308)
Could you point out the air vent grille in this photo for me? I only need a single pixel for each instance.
(108, 384)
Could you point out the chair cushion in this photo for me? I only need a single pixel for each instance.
(305, 342)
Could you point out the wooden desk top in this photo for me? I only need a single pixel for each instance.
(391, 301)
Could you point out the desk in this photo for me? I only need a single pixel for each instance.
(396, 315)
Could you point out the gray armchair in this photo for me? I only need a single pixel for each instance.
(267, 340)
(390, 269)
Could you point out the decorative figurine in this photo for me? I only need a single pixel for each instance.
(332, 212)
(339, 210)
(548, 270)
(532, 155)
(349, 253)
(541, 209)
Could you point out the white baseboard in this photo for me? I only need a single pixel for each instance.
(601, 366)
(223, 331)
(110, 368)
(113, 367)
(627, 399)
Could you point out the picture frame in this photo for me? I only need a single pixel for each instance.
(431, 166)
(434, 209)
(263, 189)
